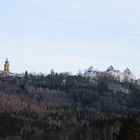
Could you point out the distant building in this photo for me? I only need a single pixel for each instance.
(6, 70)
(92, 73)
(127, 75)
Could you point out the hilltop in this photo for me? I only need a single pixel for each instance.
(40, 103)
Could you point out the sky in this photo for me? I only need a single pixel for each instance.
(70, 35)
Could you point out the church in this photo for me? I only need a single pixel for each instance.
(6, 70)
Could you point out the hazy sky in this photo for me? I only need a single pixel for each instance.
(68, 35)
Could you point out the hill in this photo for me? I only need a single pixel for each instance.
(39, 106)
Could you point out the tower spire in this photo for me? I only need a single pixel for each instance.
(6, 67)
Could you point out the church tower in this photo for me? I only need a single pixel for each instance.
(6, 67)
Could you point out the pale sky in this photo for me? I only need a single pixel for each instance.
(70, 35)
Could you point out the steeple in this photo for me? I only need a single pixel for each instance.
(6, 62)
(6, 67)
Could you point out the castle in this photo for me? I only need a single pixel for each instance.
(127, 75)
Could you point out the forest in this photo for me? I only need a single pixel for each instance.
(61, 106)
